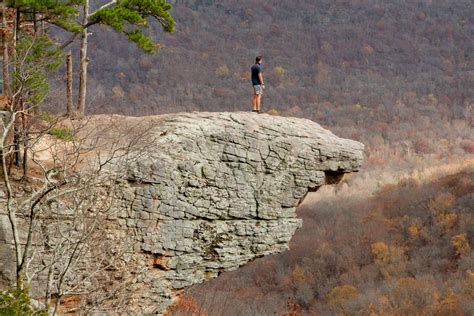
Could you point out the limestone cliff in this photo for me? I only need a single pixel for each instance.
(217, 191)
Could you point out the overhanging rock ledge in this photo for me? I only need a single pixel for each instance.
(222, 188)
(213, 192)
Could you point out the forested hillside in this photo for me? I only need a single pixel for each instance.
(377, 71)
(405, 250)
(342, 52)
(397, 76)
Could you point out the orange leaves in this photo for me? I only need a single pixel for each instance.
(418, 226)
(274, 112)
(470, 283)
(245, 76)
(222, 71)
(446, 221)
(380, 251)
(298, 274)
(439, 206)
(387, 254)
(414, 231)
(293, 308)
(442, 202)
(411, 295)
(391, 260)
(367, 50)
(341, 294)
(5, 31)
(248, 293)
(187, 305)
(460, 244)
(449, 305)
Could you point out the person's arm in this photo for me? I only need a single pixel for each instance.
(260, 77)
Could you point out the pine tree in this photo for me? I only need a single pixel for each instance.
(28, 20)
(37, 12)
(130, 17)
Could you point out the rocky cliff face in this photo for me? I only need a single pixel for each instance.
(217, 191)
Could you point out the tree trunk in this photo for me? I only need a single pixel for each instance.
(49, 281)
(16, 30)
(16, 128)
(16, 144)
(35, 24)
(26, 124)
(6, 73)
(70, 104)
(11, 199)
(83, 64)
(34, 109)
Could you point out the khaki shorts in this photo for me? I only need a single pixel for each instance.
(257, 89)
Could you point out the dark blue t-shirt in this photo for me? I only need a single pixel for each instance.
(256, 69)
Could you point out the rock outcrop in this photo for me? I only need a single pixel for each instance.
(217, 191)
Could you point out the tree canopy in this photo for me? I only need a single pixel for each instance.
(59, 13)
(131, 17)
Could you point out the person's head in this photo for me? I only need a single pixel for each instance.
(258, 60)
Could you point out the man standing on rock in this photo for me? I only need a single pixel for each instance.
(258, 84)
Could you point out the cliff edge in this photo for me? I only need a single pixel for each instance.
(215, 191)
(223, 188)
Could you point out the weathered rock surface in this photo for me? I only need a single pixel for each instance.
(219, 190)
(223, 188)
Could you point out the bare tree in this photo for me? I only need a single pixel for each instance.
(83, 62)
(33, 55)
(5, 43)
(69, 87)
(62, 228)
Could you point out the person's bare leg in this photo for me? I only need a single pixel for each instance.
(254, 103)
(259, 98)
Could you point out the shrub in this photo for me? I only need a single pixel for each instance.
(17, 302)
(62, 133)
(279, 70)
(222, 71)
(460, 244)
(274, 112)
(186, 305)
(340, 294)
(380, 251)
(47, 117)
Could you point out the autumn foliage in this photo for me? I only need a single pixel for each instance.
(396, 76)
(406, 249)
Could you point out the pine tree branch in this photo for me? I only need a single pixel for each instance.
(103, 7)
